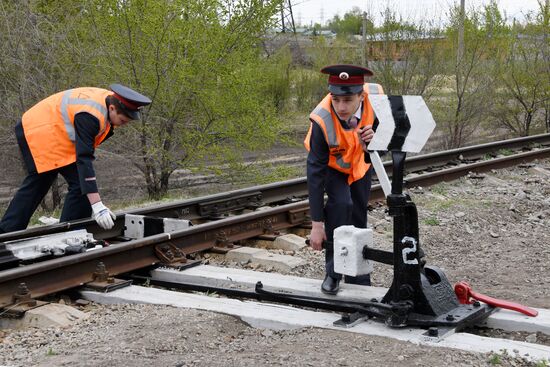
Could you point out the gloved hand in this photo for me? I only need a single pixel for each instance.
(103, 216)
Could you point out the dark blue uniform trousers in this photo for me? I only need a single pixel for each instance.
(346, 205)
(33, 189)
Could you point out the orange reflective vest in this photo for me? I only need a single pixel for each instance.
(345, 151)
(49, 125)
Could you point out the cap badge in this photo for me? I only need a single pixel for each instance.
(344, 76)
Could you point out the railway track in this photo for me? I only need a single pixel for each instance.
(423, 170)
(221, 221)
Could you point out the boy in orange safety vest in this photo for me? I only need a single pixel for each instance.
(59, 135)
(341, 127)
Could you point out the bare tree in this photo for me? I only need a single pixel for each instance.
(473, 86)
(407, 57)
(523, 76)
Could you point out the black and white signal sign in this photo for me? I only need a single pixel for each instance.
(406, 123)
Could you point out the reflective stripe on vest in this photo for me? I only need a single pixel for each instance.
(66, 100)
(49, 129)
(331, 134)
(329, 124)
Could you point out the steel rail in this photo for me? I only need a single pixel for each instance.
(208, 206)
(194, 208)
(453, 173)
(59, 274)
(71, 271)
(474, 152)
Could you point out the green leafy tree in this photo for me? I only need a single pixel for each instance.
(351, 23)
(200, 61)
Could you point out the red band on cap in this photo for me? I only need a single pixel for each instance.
(352, 80)
(126, 102)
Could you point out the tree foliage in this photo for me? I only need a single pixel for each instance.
(200, 62)
(351, 23)
(523, 76)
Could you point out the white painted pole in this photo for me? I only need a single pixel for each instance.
(380, 172)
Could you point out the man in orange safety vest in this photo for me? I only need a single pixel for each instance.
(59, 135)
(337, 164)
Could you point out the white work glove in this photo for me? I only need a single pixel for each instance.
(103, 216)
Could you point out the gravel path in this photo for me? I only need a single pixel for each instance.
(490, 230)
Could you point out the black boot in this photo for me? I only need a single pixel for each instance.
(330, 285)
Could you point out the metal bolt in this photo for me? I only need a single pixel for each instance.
(22, 290)
(477, 304)
(450, 318)
(100, 274)
(433, 331)
(23, 295)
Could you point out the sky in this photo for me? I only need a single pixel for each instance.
(307, 12)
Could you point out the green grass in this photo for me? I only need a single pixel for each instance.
(495, 360)
(431, 221)
(440, 189)
(278, 173)
(506, 152)
(51, 352)
(435, 205)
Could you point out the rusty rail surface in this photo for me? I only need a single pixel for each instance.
(70, 271)
(67, 272)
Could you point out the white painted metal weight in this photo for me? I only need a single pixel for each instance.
(348, 250)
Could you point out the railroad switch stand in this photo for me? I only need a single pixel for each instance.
(419, 295)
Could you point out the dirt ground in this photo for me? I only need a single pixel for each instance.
(490, 230)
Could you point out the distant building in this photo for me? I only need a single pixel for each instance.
(317, 32)
(393, 45)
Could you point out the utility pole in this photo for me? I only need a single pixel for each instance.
(364, 41)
